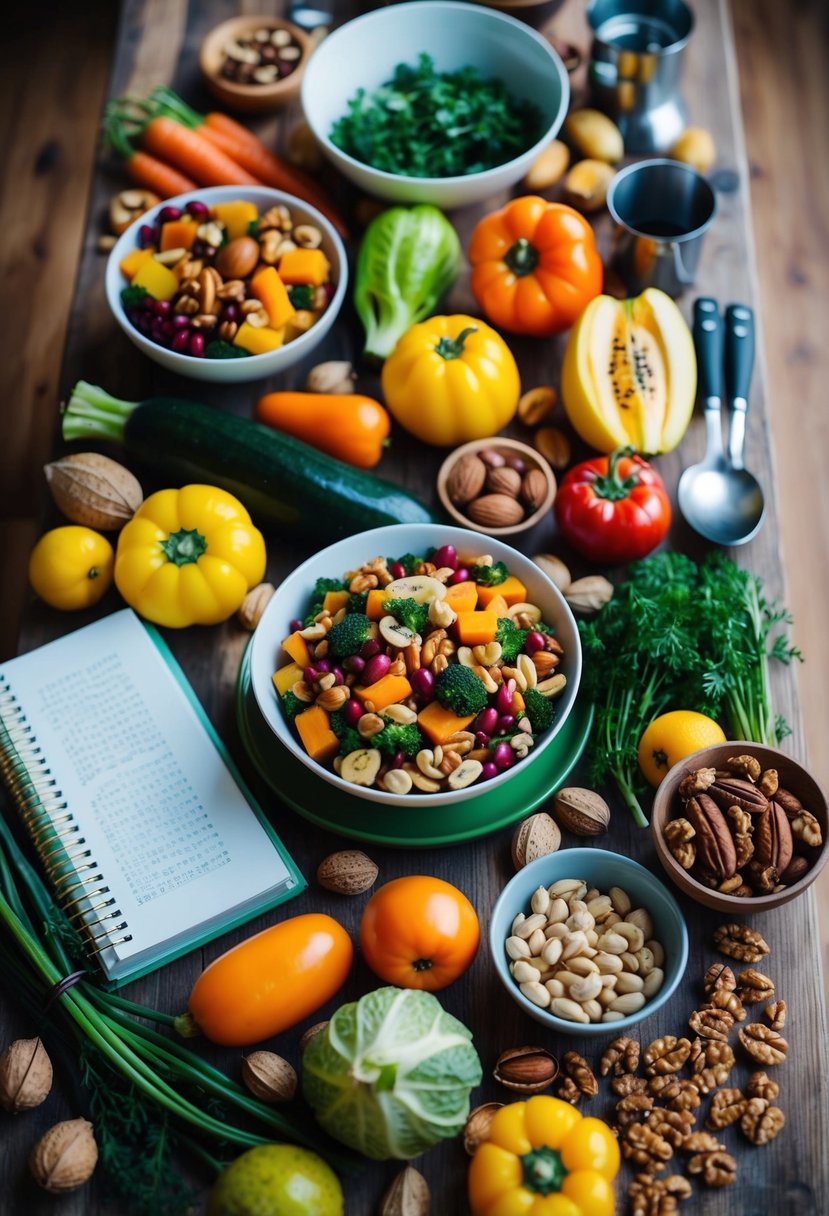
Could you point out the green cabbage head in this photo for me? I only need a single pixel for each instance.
(390, 1075)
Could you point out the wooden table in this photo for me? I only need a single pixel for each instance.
(157, 43)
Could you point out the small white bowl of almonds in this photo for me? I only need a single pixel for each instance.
(588, 942)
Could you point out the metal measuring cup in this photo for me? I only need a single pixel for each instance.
(662, 210)
(635, 66)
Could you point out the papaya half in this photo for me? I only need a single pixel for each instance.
(630, 374)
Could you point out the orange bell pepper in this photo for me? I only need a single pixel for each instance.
(347, 426)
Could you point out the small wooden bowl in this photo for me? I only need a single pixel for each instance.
(511, 447)
(793, 777)
(250, 98)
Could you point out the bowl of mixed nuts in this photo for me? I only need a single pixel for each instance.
(588, 942)
(227, 284)
(416, 665)
(497, 486)
(254, 64)
(740, 827)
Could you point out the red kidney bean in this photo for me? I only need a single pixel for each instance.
(399, 760)
(486, 721)
(503, 698)
(397, 570)
(354, 664)
(168, 215)
(534, 641)
(180, 321)
(231, 312)
(145, 235)
(376, 668)
(295, 624)
(517, 463)
(180, 343)
(506, 723)
(310, 674)
(323, 665)
(370, 648)
(446, 555)
(461, 575)
(482, 738)
(503, 756)
(196, 345)
(337, 673)
(353, 711)
(162, 308)
(199, 211)
(488, 770)
(423, 683)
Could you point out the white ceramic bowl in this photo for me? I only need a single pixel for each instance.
(293, 597)
(255, 367)
(364, 52)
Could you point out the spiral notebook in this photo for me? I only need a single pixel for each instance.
(146, 831)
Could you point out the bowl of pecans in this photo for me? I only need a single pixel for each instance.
(254, 64)
(227, 284)
(740, 827)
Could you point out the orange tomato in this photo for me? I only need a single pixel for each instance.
(270, 981)
(419, 932)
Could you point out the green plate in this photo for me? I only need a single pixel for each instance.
(330, 808)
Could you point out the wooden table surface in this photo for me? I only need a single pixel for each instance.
(157, 42)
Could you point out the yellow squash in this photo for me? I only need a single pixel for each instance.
(630, 374)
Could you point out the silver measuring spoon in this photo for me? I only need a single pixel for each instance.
(719, 498)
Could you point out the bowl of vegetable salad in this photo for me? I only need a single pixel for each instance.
(416, 664)
(434, 101)
(228, 284)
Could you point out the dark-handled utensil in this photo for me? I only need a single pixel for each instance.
(719, 498)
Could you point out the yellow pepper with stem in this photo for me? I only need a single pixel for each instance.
(189, 557)
(543, 1158)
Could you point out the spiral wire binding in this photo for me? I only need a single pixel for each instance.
(53, 831)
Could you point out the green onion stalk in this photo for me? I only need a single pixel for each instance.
(116, 1048)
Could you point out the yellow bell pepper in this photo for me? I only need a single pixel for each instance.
(71, 567)
(542, 1158)
(189, 557)
(451, 379)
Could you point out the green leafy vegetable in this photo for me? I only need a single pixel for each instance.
(409, 613)
(510, 637)
(391, 1073)
(408, 258)
(424, 123)
(489, 576)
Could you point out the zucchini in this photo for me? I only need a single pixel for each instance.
(283, 483)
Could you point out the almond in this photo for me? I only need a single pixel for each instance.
(555, 569)
(269, 1077)
(466, 479)
(93, 490)
(534, 487)
(553, 445)
(504, 481)
(349, 872)
(496, 511)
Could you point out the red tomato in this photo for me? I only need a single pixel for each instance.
(613, 508)
(419, 932)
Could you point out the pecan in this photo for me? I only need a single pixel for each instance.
(806, 829)
(651, 1196)
(753, 986)
(790, 803)
(716, 1168)
(794, 871)
(635, 1108)
(715, 844)
(768, 782)
(667, 1054)
(743, 766)
(700, 1142)
(740, 942)
(576, 1066)
(760, 1085)
(734, 791)
(711, 1023)
(728, 1001)
(776, 1014)
(674, 1093)
(568, 1091)
(719, 976)
(679, 834)
(727, 1106)
(671, 1125)
(763, 878)
(761, 1121)
(763, 1044)
(697, 782)
(621, 1056)
(628, 1084)
(773, 843)
(711, 1063)
(644, 1147)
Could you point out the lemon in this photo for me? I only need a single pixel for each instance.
(276, 1180)
(673, 736)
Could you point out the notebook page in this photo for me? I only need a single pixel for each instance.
(171, 831)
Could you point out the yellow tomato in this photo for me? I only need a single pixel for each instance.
(71, 567)
(673, 736)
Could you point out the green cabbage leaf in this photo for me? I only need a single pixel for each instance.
(390, 1075)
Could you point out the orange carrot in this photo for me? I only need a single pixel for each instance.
(189, 152)
(155, 175)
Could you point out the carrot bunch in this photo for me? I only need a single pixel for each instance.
(179, 150)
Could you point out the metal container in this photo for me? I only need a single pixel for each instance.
(662, 210)
(635, 67)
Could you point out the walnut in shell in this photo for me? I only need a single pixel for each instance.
(582, 812)
(269, 1077)
(408, 1195)
(534, 837)
(349, 872)
(25, 1075)
(65, 1156)
(93, 490)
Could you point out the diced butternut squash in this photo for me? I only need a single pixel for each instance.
(304, 266)
(178, 234)
(296, 646)
(498, 605)
(512, 589)
(374, 603)
(438, 723)
(157, 280)
(236, 217)
(386, 691)
(129, 265)
(258, 341)
(316, 734)
(334, 601)
(463, 597)
(273, 296)
(476, 628)
(285, 676)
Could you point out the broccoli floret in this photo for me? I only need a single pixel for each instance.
(133, 296)
(219, 349)
(253, 228)
(510, 637)
(357, 602)
(539, 709)
(292, 705)
(408, 561)
(398, 737)
(350, 738)
(301, 295)
(459, 689)
(409, 613)
(347, 636)
(321, 587)
(490, 576)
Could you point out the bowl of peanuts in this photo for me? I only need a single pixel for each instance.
(588, 942)
(416, 664)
